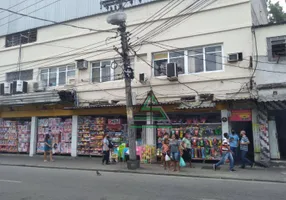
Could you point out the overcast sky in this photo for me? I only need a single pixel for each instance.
(282, 3)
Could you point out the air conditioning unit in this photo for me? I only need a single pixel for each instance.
(235, 57)
(82, 64)
(172, 71)
(20, 86)
(39, 87)
(6, 88)
(142, 77)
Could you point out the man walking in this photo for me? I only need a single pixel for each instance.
(105, 149)
(226, 154)
(233, 143)
(244, 149)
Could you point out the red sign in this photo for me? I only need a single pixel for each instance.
(241, 116)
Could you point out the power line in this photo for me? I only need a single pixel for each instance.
(182, 15)
(160, 45)
(20, 11)
(17, 4)
(54, 22)
(166, 9)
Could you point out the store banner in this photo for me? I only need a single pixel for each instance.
(241, 116)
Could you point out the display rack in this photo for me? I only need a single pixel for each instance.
(60, 130)
(91, 131)
(15, 136)
(9, 136)
(205, 138)
(24, 133)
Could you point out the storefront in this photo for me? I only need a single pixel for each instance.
(242, 120)
(204, 129)
(60, 129)
(91, 130)
(15, 135)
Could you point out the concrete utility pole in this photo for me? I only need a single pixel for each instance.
(119, 18)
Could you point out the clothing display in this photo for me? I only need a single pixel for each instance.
(205, 136)
(60, 130)
(15, 136)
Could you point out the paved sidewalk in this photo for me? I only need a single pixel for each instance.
(199, 170)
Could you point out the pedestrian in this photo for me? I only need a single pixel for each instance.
(175, 151)
(105, 149)
(166, 136)
(187, 149)
(226, 154)
(48, 148)
(233, 143)
(244, 142)
(166, 153)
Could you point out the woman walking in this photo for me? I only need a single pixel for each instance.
(187, 151)
(175, 151)
(48, 148)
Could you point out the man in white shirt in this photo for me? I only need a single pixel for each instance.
(226, 154)
(105, 149)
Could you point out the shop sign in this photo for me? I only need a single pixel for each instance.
(241, 116)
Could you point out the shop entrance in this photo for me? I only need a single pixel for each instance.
(280, 117)
(247, 126)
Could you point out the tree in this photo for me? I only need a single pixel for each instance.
(276, 13)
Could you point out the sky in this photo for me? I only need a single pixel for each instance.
(282, 3)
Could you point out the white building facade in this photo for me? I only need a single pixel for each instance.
(212, 43)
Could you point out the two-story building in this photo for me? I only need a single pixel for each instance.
(270, 83)
(74, 76)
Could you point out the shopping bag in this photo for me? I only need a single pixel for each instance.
(182, 162)
(167, 158)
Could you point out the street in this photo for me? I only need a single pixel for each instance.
(20, 183)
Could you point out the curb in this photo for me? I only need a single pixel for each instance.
(146, 172)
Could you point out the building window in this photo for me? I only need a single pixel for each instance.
(25, 75)
(277, 48)
(56, 76)
(205, 59)
(108, 70)
(24, 37)
(195, 60)
(162, 59)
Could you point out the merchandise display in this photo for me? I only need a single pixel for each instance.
(24, 133)
(60, 130)
(205, 137)
(15, 136)
(91, 131)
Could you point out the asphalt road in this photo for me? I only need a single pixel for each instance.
(20, 183)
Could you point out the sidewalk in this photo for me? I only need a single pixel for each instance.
(199, 170)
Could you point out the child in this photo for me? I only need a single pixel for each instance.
(166, 151)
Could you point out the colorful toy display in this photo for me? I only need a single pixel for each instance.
(91, 131)
(15, 136)
(60, 130)
(205, 136)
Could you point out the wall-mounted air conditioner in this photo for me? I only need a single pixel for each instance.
(20, 86)
(81, 64)
(6, 88)
(172, 71)
(235, 57)
(39, 87)
(142, 78)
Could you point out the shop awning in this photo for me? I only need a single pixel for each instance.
(119, 104)
(272, 94)
(233, 97)
(30, 98)
(194, 105)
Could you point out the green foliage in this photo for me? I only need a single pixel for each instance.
(276, 13)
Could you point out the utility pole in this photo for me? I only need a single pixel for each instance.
(119, 18)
